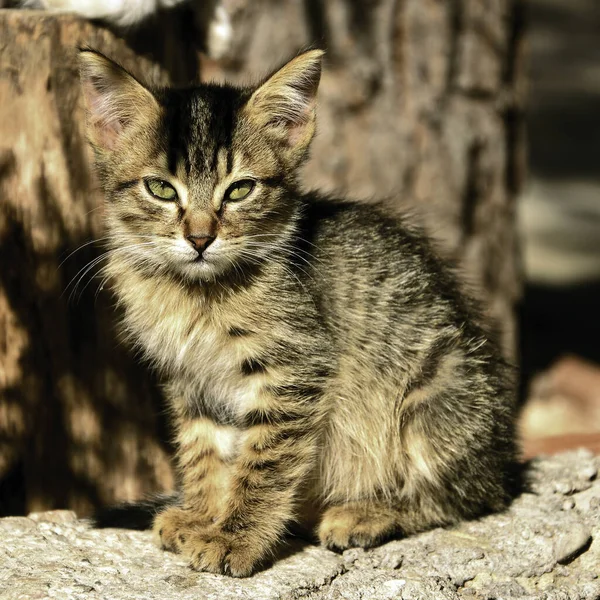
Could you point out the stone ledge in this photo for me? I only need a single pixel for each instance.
(546, 546)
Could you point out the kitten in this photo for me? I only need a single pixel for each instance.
(321, 360)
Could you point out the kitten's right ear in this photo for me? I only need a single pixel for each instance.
(114, 99)
(284, 105)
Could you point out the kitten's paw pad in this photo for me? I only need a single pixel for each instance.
(216, 551)
(343, 528)
(173, 527)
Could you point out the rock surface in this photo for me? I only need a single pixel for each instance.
(546, 546)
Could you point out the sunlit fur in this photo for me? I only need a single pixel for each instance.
(322, 364)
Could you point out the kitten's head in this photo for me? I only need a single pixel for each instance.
(197, 181)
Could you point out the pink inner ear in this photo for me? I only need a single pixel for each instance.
(107, 133)
(296, 131)
(104, 119)
(290, 121)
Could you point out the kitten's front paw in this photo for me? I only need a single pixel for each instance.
(217, 551)
(174, 526)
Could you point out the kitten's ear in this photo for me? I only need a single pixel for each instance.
(285, 103)
(114, 99)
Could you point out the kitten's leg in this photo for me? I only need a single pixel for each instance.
(204, 449)
(367, 523)
(444, 481)
(362, 523)
(277, 451)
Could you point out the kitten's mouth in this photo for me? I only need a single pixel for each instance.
(202, 262)
(201, 268)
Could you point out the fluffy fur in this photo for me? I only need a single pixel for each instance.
(323, 365)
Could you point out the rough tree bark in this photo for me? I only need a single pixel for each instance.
(420, 102)
(79, 422)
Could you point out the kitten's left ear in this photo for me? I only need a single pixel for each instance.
(284, 105)
(114, 99)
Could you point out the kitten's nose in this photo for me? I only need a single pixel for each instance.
(200, 242)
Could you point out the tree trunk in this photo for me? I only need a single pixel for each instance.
(420, 101)
(79, 421)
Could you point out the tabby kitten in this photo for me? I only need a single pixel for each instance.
(322, 363)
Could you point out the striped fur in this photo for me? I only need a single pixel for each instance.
(323, 365)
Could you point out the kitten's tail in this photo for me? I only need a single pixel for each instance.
(134, 515)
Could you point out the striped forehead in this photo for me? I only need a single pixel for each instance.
(209, 133)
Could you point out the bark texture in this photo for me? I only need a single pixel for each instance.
(79, 421)
(420, 102)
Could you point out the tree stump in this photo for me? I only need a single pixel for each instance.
(419, 102)
(80, 423)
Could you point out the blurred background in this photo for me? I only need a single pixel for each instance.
(559, 228)
(482, 114)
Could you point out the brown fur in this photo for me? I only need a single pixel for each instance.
(322, 362)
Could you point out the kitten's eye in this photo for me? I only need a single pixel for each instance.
(239, 190)
(160, 189)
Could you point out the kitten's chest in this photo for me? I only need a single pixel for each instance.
(195, 344)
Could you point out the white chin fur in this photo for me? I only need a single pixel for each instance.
(201, 270)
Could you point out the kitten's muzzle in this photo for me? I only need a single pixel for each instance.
(200, 242)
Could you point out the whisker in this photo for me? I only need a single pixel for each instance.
(78, 277)
(80, 248)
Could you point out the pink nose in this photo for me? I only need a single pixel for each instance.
(200, 242)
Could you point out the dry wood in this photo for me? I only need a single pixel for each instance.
(420, 101)
(80, 424)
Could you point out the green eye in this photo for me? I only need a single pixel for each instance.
(239, 190)
(160, 189)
